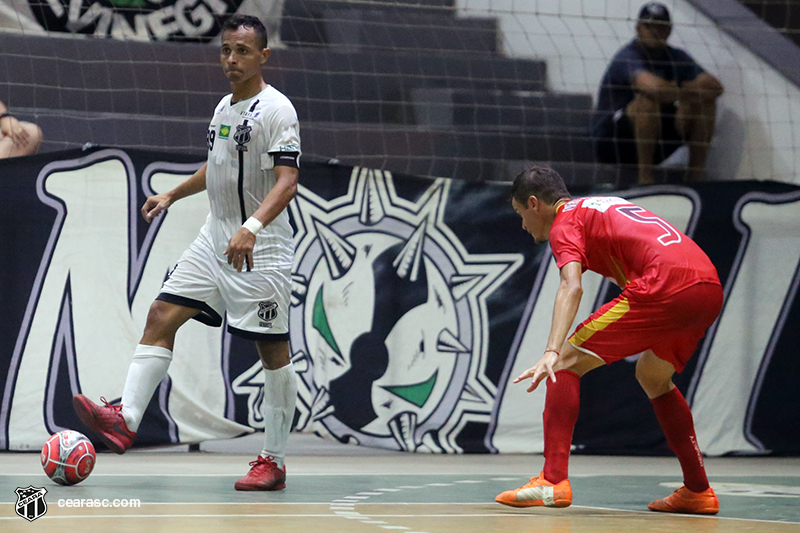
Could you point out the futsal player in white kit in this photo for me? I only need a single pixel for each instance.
(240, 264)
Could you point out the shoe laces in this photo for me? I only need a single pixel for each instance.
(263, 463)
(116, 408)
(532, 481)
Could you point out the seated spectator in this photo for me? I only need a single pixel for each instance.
(17, 138)
(654, 98)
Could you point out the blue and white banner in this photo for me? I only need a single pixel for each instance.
(414, 303)
(135, 20)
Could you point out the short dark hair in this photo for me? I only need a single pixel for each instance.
(541, 182)
(247, 21)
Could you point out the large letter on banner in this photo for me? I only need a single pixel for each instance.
(92, 292)
(761, 287)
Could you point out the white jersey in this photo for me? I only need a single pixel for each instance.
(242, 139)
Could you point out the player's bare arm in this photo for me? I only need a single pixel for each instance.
(158, 203)
(240, 247)
(568, 299)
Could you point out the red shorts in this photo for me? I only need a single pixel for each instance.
(671, 327)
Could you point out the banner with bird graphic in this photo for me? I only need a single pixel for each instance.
(415, 302)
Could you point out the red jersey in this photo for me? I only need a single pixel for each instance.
(628, 244)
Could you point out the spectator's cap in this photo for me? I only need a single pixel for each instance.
(654, 12)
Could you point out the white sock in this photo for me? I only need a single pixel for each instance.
(148, 368)
(280, 395)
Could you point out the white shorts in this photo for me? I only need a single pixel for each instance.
(256, 303)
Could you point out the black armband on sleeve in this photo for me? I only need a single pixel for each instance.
(286, 159)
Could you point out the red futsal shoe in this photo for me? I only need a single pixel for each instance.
(538, 492)
(685, 501)
(105, 420)
(264, 474)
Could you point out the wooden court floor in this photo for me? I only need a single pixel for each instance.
(333, 489)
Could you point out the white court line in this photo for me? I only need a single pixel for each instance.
(269, 515)
(369, 474)
(39, 473)
(294, 474)
(328, 502)
(460, 515)
(632, 511)
(666, 515)
(46, 517)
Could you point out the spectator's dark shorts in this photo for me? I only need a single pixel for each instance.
(614, 140)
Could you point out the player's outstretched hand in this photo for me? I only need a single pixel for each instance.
(154, 205)
(240, 249)
(540, 370)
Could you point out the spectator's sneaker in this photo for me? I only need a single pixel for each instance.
(264, 474)
(538, 492)
(685, 501)
(105, 420)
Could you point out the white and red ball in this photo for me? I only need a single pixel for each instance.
(68, 457)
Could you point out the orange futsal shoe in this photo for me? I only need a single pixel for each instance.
(538, 492)
(105, 420)
(264, 475)
(685, 501)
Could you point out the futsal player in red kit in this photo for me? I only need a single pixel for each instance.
(671, 295)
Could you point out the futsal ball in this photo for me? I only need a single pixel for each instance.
(68, 457)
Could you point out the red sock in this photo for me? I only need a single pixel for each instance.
(560, 414)
(676, 421)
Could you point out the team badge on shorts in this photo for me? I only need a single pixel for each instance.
(267, 311)
(30, 502)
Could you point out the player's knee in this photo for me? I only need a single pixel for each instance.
(273, 354)
(158, 319)
(653, 384)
